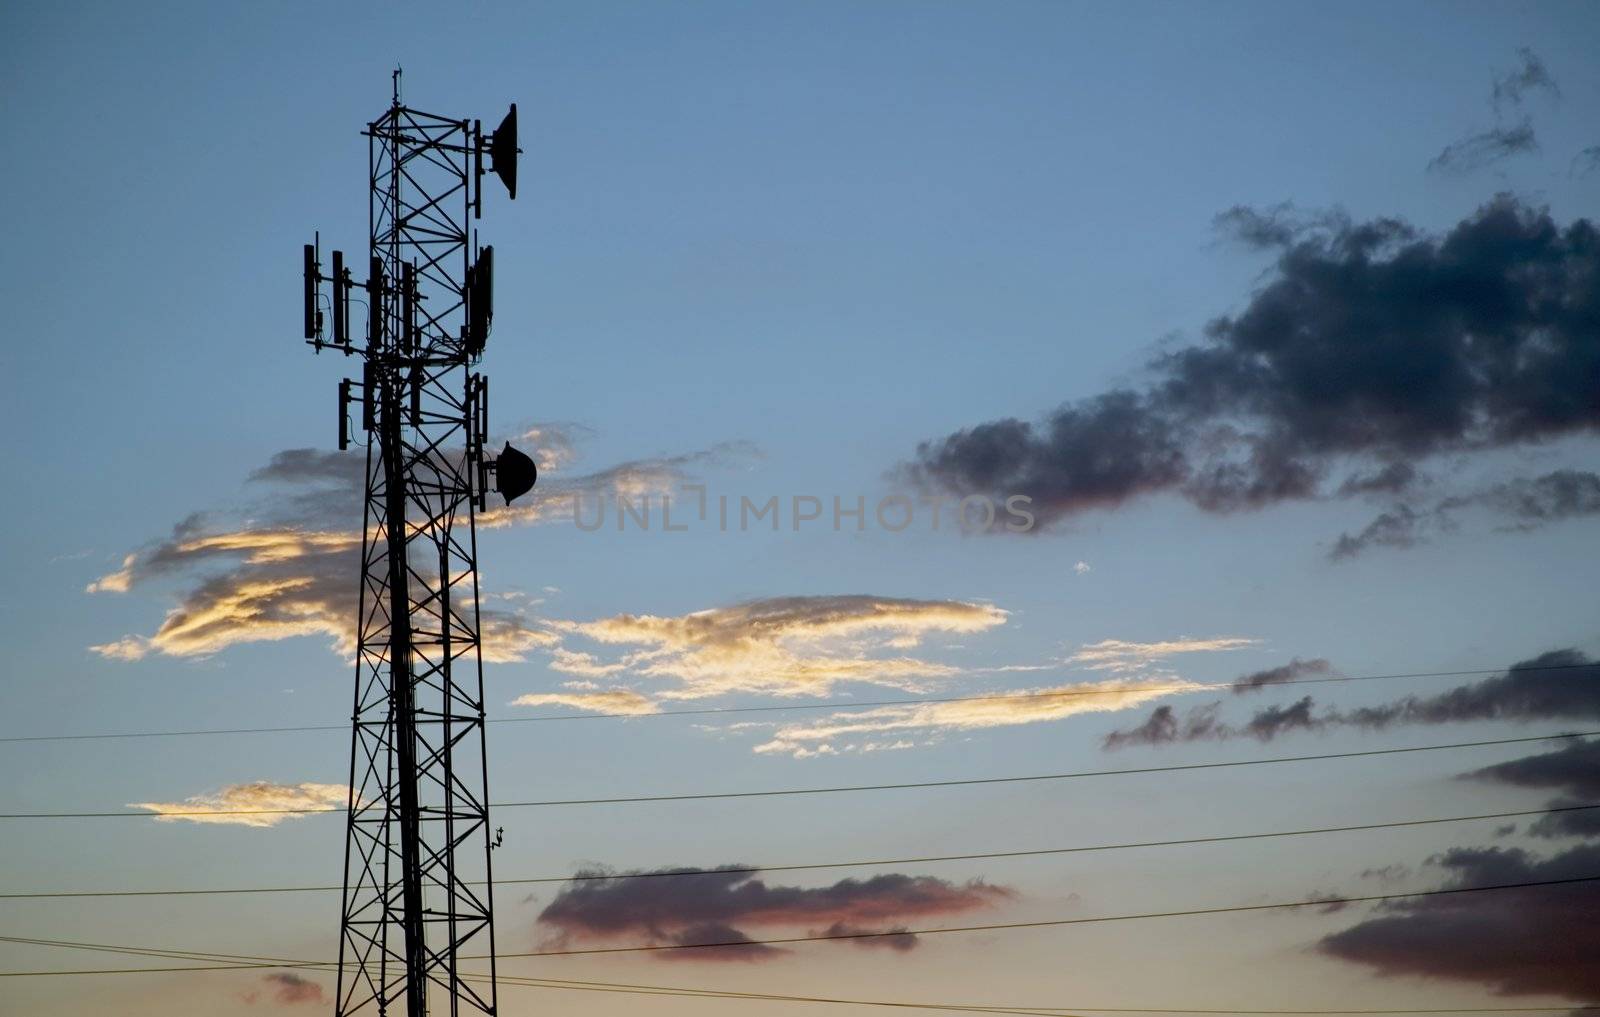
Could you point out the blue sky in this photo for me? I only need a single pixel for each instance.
(800, 239)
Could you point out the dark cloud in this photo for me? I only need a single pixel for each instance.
(1502, 141)
(1531, 502)
(310, 465)
(1096, 454)
(1530, 76)
(1522, 504)
(1278, 225)
(1164, 726)
(1369, 349)
(1391, 479)
(897, 939)
(1585, 162)
(1201, 723)
(1273, 721)
(1487, 147)
(1559, 685)
(1567, 824)
(1401, 526)
(1514, 942)
(1289, 672)
(719, 906)
(1574, 770)
(1327, 902)
(286, 988)
(1386, 873)
(726, 936)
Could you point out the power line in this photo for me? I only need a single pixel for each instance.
(270, 962)
(845, 789)
(256, 962)
(923, 859)
(790, 707)
(1026, 1011)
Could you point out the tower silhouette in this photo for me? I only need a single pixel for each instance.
(417, 871)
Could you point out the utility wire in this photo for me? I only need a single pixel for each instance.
(627, 988)
(269, 962)
(1027, 1011)
(962, 782)
(923, 859)
(785, 707)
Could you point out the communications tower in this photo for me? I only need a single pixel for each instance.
(417, 874)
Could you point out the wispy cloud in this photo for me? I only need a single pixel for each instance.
(622, 701)
(786, 646)
(1122, 656)
(1530, 76)
(294, 571)
(1561, 684)
(233, 804)
(823, 736)
(1519, 504)
(1144, 678)
(1485, 148)
(1492, 145)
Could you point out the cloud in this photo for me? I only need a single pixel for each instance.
(1122, 656)
(287, 988)
(899, 941)
(1492, 145)
(557, 498)
(1369, 345)
(274, 585)
(1275, 226)
(1532, 502)
(1530, 76)
(1390, 479)
(811, 738)
(623, 701)
(294, 571)
(1573, 769)
(1558, 685)
(1141, 677)
(1295, 670)
(1485, 148)
(1585, 162)
(1513, 942)
(1522, 505)
(785, 645)
(252, 797)
(1401, 526)
(726, 904)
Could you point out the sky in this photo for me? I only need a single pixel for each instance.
(1283, 321)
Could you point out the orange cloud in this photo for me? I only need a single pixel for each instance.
(613, 701)
(244, 804)
(822, 736)
(297, 575)
(784, 646)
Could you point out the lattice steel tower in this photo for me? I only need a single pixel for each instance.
(417, 885)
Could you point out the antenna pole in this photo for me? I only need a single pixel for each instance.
(418, 890)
